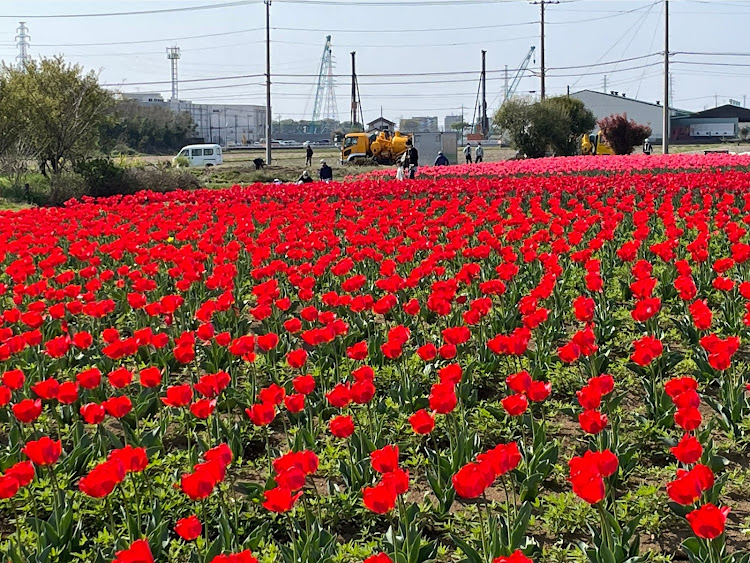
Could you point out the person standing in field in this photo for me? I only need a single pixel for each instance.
(467, 153)
(647, 148)
(480, 153)
(308, 155)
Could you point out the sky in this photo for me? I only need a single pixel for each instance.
(408, 41)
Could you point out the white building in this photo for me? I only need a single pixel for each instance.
(227, 125)
(450, 121)
(645, 113)
(419, 125)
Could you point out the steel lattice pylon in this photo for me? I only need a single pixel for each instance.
(325, 95)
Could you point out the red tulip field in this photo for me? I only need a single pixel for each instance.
(542, 361)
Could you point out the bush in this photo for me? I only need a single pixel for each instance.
(622, 135)
(553, 124)
(159, 179)
(103, 177)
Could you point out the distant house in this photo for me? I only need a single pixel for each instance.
(380, 124)
(725, 122)
(646, 113)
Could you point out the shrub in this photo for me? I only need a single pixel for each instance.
(103, 177)
(160, 179)
(622, 135)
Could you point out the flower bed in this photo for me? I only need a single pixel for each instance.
(525, 368)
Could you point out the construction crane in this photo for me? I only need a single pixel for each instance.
(511, 89)
(325, 106)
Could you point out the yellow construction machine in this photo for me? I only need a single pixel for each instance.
(383, 147)
(595, 144)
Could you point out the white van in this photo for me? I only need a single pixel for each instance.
(201, 155)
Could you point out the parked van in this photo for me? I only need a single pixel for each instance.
(201, 155)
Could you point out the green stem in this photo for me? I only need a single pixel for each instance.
(481, 530)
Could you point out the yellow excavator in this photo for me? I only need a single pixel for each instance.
(383, 147)
(595, 144)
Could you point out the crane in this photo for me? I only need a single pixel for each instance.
(325, 94)
(510, 90)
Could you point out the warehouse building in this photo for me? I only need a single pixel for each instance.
(646, 113)
(722, 123)
(227, 125)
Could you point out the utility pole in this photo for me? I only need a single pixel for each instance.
(505, 90)
(716, 100)
(744, 101)
(542, 4)
(605, 83)
(269, 118)
(665, 124)
(22, 39)
(485, 123)
(356, 112)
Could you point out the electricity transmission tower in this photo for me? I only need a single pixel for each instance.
(173, 54)
(325, 95)
(22, 40)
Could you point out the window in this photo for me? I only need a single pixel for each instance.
(350, 142)
(208, 152)
(197, 152)
(185, 153)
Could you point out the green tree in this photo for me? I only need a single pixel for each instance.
(579, 120)
(147, 129)
(532, 127)
(554, 124)
(622, 134)
(61, 109)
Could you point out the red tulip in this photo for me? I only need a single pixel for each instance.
(592, 421)
(138, 552)
(27, 410)
(189, 528)
(178, 396)
(470, 481)
(150, 377)
(422, 422)
(304, 384)
(385, 459)
(92, 413)
(379, 499)
(515, 405)
(688, 450)
(708, 521)
(262, 414)
(443, 398)
(117, 406)
(203, 408)
(341, 426)
(296, 358)
(280, 499)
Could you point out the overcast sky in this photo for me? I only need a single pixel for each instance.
(396, 39)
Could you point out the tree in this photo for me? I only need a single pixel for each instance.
(148, 129)
(622, 134)
(61, 110)
(459, 127)
(533, 128)
(579, 121)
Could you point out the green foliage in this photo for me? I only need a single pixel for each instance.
(102, 177)
(622, 134)
(552, 124)
(147, 129)
(62, 110)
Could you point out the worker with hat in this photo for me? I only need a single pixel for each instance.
(326, 172)
(441, 159)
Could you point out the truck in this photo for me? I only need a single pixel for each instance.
(595, 144)
(386, 148)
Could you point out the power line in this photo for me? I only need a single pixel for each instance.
(139, 12)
